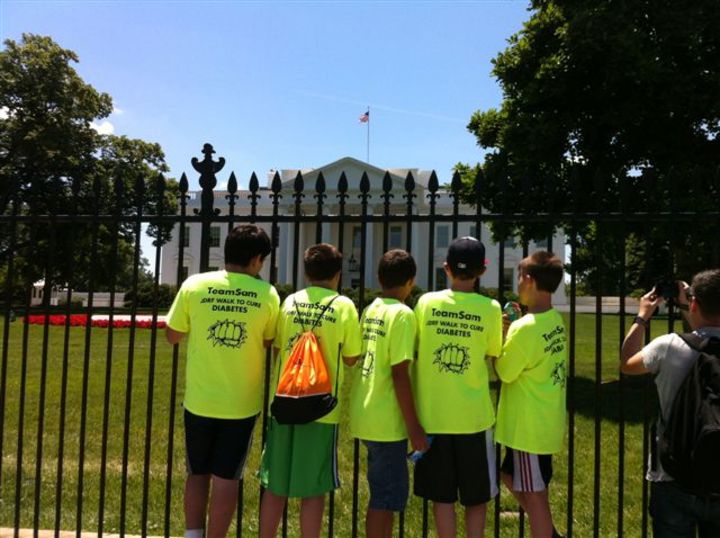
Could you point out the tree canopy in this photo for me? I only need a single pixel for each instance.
(52, 161)
(609, 105)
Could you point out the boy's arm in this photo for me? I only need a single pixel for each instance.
(352, 341)
(403, 392)
(515, 356)
(350, 361)
(173, 337)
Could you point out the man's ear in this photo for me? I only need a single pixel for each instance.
(482, 271)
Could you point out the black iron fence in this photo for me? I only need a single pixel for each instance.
(89, 409)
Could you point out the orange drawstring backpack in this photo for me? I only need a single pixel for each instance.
(304, 392)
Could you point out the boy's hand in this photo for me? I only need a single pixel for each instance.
(418, 438)
(506, 324)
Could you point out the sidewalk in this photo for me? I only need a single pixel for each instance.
(28, 533)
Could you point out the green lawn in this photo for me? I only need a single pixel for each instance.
(632, 395)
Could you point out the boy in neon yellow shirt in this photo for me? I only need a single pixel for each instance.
(531, 412)
(382, 411)
(300, 460)
(229, 318)
(457, 330)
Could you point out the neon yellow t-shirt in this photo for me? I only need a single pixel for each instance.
(338, 333)
(227, 316)
(456, 331)
(388, 332)
(533, 366)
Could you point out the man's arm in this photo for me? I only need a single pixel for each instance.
(403, 392)
(631, 359)
(173, 336)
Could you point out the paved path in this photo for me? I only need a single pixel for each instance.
(28, 533)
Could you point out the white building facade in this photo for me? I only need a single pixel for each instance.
(397, 231)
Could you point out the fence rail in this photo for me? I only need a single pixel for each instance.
(89, 436)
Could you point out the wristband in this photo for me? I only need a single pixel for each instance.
(641, 321)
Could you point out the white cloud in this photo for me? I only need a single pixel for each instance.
(117, 110)
(104, 128)
(4, 113)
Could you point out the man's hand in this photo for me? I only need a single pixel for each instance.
(418, 438)
(648, 304)
(683, 289)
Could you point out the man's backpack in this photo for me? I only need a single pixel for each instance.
(304, 392)
(689, 448)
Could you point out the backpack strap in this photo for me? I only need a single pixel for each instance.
(710, 345)
(695, 341)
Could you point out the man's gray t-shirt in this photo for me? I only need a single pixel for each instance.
(669, 358)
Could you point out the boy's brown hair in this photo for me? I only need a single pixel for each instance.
(396, 267)
(322, 262)
(244, 242)
(545, 268)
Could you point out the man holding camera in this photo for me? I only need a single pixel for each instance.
(678, 511)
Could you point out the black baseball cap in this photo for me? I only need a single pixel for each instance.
(466, 255)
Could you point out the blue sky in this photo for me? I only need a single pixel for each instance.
(281, 84)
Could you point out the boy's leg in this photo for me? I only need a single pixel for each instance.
(379, 523)
(223, 501)
(389, 484)
(311, 512)
(528, 477)
(271, 511)
(475, 520)
(231, 444)
(197, 487)
(537, 507)
(199, 439)
(445, 519)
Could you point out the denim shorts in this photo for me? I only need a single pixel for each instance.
(387, 475)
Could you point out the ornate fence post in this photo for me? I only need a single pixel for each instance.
(207, 169)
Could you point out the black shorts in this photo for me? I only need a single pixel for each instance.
(458, 465)
(217, 446)
(529, 472)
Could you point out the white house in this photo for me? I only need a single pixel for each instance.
(353, 169)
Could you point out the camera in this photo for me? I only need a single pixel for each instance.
(667, 289)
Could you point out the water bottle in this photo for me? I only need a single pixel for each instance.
(415, 455)
(513, 311)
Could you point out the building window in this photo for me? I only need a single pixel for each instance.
(508, 279)
(214, 236)
(184, 273)
(395, 239)
(440, 278)
(442, 236)
(473, 231)
(509, 242)
(186, 237)
(542, 244)
(357, 236)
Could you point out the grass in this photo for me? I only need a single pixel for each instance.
(139, 379)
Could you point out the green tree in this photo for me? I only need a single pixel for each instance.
(52, 162)
(610, 106)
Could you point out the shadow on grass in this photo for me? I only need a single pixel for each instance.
(633, 398)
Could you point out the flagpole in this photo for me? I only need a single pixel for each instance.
(368, 136)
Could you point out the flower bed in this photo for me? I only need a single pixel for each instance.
(81, 320)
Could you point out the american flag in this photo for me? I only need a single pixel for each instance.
(364, 117)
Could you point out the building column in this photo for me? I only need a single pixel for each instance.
(420, 256)
(370, 266)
